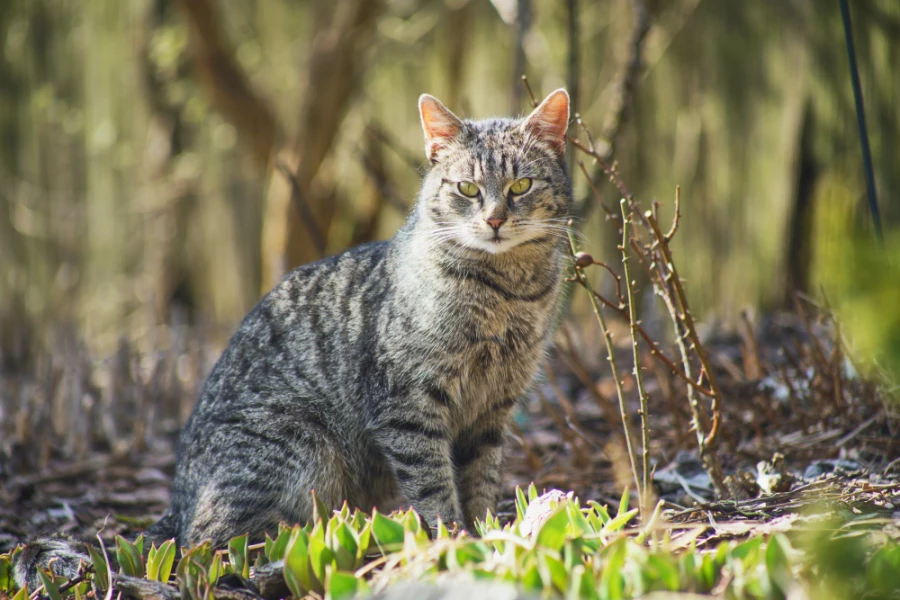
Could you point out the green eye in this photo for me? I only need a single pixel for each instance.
(467, 188)
(520, 186)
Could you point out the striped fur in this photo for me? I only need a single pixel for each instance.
(390, 371)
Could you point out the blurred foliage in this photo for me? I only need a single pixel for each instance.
(860, 276)
(555, 547)
(130, 193)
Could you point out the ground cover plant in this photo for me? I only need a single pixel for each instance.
(555, 547)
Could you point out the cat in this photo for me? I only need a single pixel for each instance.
(389, 370)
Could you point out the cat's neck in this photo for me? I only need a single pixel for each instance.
(417, 251)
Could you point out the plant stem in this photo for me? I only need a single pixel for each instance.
(611, 356)
(671, 290)
(636, 348)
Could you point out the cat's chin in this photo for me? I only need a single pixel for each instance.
(493, 245)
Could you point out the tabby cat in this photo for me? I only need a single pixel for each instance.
(389, 370)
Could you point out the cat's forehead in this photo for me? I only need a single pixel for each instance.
(495, 132)
(491, 144)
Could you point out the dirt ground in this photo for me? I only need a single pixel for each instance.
(800, 426)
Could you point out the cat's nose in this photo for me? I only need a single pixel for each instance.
(495, 222)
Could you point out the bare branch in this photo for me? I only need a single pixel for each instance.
(638, 376)
(298, 200)
(227, 86)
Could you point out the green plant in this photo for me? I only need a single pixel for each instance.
(555, 547)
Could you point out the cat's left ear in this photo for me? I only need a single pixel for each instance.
(440, 125)
(550, 120)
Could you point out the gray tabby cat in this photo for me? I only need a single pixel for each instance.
(389, 370)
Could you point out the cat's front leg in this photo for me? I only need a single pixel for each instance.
(478, 456)
(416, 444)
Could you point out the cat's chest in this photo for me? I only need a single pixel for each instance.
(489, 357)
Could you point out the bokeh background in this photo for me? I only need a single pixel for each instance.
(140, 140)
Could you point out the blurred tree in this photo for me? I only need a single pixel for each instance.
(139, 141)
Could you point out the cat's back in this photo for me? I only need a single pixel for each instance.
(298, 338)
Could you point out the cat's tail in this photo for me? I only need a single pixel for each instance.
(64, 556)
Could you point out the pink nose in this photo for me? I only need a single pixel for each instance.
(495, 223)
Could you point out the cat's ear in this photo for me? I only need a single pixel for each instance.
(550, 120)
(440, 125)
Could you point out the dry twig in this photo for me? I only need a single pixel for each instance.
(638, 376)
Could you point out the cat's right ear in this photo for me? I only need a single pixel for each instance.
(440, 125)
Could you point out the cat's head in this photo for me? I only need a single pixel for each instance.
(498, 183)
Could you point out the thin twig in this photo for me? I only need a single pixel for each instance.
(636, 350)
(534, 101)
(611, 356)
(617, 279)
(655, 351)
(677, 217)
(688, 320)
(610, 171)
(302, 207)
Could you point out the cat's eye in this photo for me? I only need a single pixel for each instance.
(467, 188)
(520, 186)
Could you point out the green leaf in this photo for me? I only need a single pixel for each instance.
(131, 562)
(883, 572)
(237, 554)
(49, 586)
(708, 573)
(532, 493)
(552, 534)
(578, 525)
(581, 585)
(278, 546)
(619, 521)
(623, 504)
(531, 579)
(411, 522)
(661, 570)
(192, 579)
(199, 556)
(216, 569)
(600, 511)
(166, 556)
(22, 594)
(553, 571)
(345, 547)
(296, 563)
(365, 537)
(777, 563)
(320, 511)
(388, 533)
(442, 531)
(746, 550)
(267, 548)
(5, 573)
(521, 504)
(152, 564)
(320, 556)
(612, 582)
(340, 585)
(101, 568)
